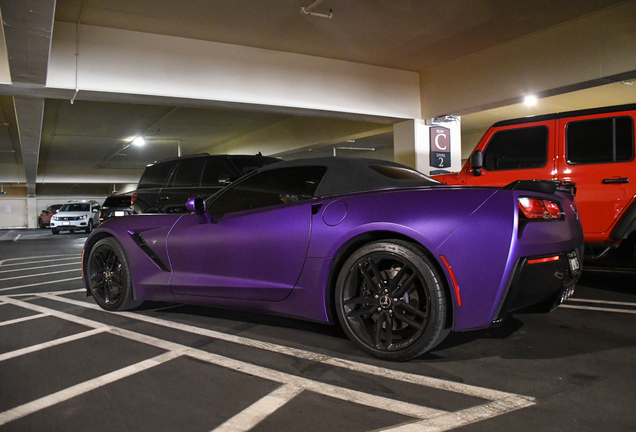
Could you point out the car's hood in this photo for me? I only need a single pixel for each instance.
(72, 214)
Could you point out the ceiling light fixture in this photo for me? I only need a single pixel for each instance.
(139, 141)
(530, 100)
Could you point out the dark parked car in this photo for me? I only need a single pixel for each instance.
(44, 219)
(399, 259)
(115, 206)
(165, 186)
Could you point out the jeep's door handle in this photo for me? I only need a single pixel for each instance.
(616, 180)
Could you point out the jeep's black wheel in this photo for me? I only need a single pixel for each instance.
(390, 300)
(108, 276)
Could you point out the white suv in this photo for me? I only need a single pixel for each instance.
(76, 215)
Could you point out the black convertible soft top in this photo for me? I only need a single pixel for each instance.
(346, 175)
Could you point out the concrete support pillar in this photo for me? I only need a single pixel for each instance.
(410, 144)
(32, 212)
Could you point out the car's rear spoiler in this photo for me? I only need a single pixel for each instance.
(543, 186)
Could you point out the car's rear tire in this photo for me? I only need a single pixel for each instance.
(390, 300)
(55, 231)
(108, 276)
(89, 228)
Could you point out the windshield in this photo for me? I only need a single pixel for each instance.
(117, 201)
(76, 207)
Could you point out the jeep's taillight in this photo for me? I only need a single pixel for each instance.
(133, 198)
(535, 208)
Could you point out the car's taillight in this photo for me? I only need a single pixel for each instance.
(535, 208)
(133, 198)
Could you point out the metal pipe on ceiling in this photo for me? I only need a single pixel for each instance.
(307, 10)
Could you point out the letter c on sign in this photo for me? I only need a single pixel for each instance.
(437, 141)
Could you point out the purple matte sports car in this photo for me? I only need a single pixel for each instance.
(396, 257)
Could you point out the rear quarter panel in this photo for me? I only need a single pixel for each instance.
(475, 229)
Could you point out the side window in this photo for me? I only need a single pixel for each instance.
(521, 148)
(213, 171)
(188, 173)
(155, 176)
(604, 140)
(270, 188)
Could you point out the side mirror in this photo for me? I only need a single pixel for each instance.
(196, 205)
(477, 162)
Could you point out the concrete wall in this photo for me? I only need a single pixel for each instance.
(121, 61)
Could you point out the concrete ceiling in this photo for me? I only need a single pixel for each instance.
(410, 35)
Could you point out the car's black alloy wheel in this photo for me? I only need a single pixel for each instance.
(391, 301)
(89, 228)
(108, 276)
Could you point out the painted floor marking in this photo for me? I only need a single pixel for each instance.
(465, 389)
(52, 343)
(76, 390)
(260, 410)
(602, 309)
(23, 319)
(37, 268)
(21, 260)
(462, 418)
(617, 303)
(378, 402)
(40, 274)
(38, 284)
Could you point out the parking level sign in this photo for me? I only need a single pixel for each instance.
(440, 147)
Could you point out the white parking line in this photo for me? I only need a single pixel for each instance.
(580, 300)
(23, 319)
(24, 260)
(464, 417)
(40, 274)
(38, 284)
(260, 410)
(378, 402)
(52, 343)
(40, 267)
(76, 390)
(465, 389)
(602, 309)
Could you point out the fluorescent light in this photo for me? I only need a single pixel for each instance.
(530, 100)
(139, 141)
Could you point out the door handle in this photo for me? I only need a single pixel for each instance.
(616, 180)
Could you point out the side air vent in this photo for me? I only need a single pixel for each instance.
(151, 254)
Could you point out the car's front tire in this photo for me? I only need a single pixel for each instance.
(390, 300)
(89, 228)
(55, 231)
(108, 276)
(40, 223)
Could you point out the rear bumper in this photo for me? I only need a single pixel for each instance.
(541, 286)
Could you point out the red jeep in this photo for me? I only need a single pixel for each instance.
(593, 148)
